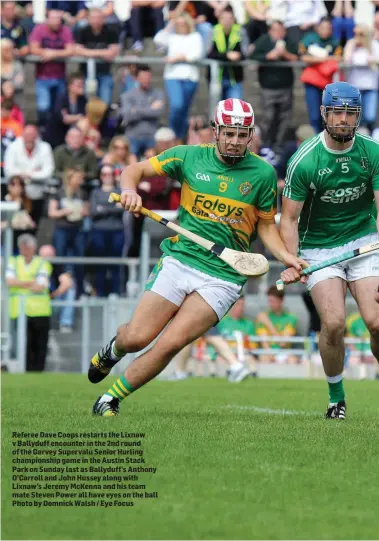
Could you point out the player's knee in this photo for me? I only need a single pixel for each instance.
(373, 326)
(171, 345)
(334, 328)
(131, 340)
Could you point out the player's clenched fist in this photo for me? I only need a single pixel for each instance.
(292, 273)
(131, 201)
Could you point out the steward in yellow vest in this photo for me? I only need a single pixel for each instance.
(27, 276)
(227, 46)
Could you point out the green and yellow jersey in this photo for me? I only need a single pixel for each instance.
(285, 324)
(356, 328)
(228, 326)
(337, 188)
(219, 202)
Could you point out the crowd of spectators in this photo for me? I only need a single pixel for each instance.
(62, 166)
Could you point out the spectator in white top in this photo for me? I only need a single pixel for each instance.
(299, 16)
(183, 45)
(362, 53)
(31, 159)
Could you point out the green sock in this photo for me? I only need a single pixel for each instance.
(120, 389)
(336, 390)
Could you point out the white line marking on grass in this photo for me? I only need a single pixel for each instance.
(273, 411)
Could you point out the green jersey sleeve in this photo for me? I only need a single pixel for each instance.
(267, 200)
(374, 158)
(170, 162)
(297, 182)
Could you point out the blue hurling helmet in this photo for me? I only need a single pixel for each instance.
(337, 96)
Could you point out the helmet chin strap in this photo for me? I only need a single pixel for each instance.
(230, 159)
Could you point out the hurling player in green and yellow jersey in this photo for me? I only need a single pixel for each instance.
(228, 195)
(331, 184)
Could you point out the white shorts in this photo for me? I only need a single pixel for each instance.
(174, 281)
(353, 269)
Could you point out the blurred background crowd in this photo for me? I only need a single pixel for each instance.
(67, 132)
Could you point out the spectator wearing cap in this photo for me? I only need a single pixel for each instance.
(12, 29)
(183, 44)
(32, 159)
(99, 40)
(140, 111)
(50, 41)
(155, 191)
(276, 84)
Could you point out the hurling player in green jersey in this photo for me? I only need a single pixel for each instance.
(228, 195)
(328, 208)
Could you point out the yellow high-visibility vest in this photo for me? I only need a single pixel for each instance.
(220, 41)
(36, 304)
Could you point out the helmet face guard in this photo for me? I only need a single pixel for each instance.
(238, 116)
(337, 131)
(341, 97)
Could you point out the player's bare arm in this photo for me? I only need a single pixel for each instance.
(130, 178)
(289, 234)
(270, 237)
(289, 220)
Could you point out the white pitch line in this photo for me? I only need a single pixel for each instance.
(273, 411)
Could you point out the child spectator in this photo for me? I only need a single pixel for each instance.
(90, 124)
(8, 92)
(276, 321)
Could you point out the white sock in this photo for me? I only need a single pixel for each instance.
(114, 356)
(236, 366)
(106, 398)
(334, 379)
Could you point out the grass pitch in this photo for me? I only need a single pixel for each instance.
(234, 461)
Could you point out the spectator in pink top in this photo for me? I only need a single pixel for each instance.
(51, 41)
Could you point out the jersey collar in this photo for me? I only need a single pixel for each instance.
(322, 139)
